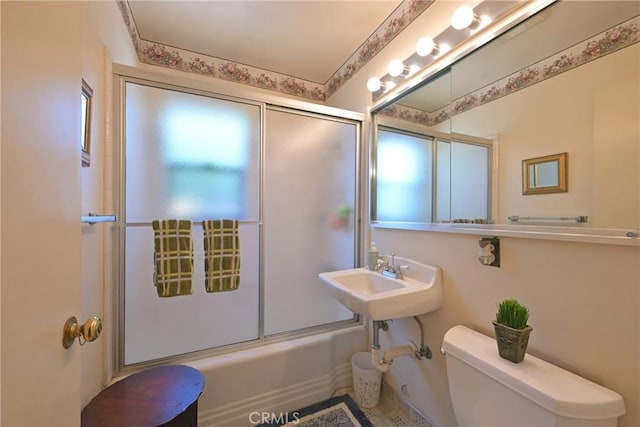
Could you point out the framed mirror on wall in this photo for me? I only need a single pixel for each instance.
(544, 175)
(569, 71)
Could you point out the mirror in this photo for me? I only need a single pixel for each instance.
(85, 123)
(564, 80)
(546, 174)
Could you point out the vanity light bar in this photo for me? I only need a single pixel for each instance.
(463, 18)
(577, 218)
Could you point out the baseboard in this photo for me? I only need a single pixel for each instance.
(277, 401)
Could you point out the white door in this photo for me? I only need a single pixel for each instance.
(40, 216)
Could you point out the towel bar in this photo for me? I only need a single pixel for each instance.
(94, 218)
(578, 218)
(148, 224)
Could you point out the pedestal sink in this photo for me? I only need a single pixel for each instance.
(380, 297)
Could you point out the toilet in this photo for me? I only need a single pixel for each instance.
(487, 390)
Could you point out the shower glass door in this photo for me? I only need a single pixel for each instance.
(193, 157)
(287, 176)
(309, 204)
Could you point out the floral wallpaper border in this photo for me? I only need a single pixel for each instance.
(404, 15)
(621, 36)
(187, 61)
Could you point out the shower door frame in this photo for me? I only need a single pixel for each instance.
(114, 300)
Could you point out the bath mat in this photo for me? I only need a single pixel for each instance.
(338, 411)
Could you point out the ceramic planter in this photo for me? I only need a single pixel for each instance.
(512, 343)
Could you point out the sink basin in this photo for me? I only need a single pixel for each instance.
(379, 297)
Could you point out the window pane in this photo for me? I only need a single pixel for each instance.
(443, 181)
(190, 156)
(160, 327)
(469, 181)
(404, 177)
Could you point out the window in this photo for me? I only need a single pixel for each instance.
(420, 177)
(190, 156)
(404, 177)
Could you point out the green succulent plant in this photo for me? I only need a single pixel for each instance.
(513, 314)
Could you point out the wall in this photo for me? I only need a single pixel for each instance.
(593, 286)
(104, 39)
(583, 298)
(599, 283)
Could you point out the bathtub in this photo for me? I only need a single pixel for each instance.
(276, 378)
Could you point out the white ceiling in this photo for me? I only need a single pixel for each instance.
(306, 39)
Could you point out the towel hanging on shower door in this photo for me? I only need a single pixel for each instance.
(221, 255)
(172, 257)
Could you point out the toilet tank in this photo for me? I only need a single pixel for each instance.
(487, 390)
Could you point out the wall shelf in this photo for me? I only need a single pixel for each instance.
(610, 236)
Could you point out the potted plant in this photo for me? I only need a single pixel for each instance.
(512, 331)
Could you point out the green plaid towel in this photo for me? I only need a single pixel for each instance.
(172, 257)
(221, 255)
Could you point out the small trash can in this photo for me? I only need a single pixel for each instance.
(366, 380)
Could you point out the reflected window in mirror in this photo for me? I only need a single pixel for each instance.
(431, 178)
(470, 181)
(404, 176)
(443, 180)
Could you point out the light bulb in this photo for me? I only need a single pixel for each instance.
(395, 68)
(425, 46)
(462, 17)
(388, 85)
(374, 84)
(413, 69)
(483, 21)
(444, 48)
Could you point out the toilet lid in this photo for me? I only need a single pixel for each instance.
(560, 391)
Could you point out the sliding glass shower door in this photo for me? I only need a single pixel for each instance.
(287, 176)
(194, 157)
(309, 203)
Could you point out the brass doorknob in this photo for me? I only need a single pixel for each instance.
(89, 331)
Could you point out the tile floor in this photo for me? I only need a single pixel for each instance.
(391, 410)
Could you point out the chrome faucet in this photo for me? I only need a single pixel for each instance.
(391, 270)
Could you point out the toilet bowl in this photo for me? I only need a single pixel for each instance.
(487, 390)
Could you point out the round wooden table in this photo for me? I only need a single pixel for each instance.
(161, 396)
